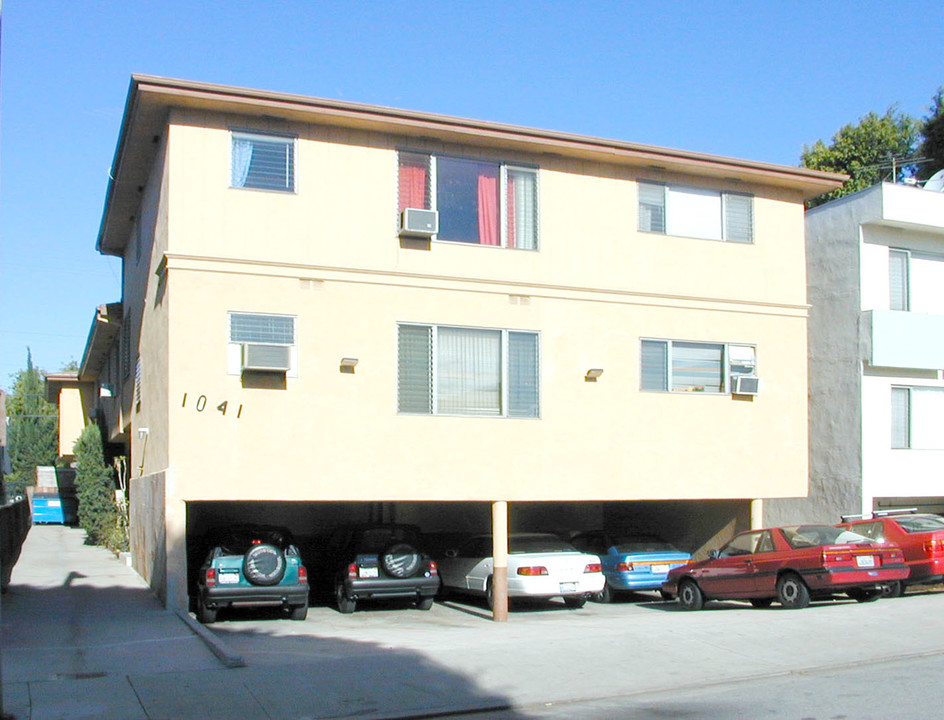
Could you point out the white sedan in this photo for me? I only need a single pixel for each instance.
(539, 565)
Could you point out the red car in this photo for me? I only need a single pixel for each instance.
(791, 565)
(920, 537)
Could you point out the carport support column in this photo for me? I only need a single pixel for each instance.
(757, 514)
(500, 561)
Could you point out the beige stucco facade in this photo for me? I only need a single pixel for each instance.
(329, 256)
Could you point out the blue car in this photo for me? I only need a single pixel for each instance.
(630, 562)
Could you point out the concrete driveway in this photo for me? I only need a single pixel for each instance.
(83, 637)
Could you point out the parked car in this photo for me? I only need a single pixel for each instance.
(540, 565)
(920, 537)
(252, 565)
(371, 561)
(792, 565)
(630, 562)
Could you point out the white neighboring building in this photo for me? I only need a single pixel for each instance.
(875, 263)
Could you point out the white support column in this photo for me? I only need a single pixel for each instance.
(757, 514)
(500, 561)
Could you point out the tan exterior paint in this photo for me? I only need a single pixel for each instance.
(328, 255)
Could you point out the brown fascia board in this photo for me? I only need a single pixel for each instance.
(150, 99)
(101, 339)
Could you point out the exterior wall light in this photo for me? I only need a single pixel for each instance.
(593, 374)
(348, 364)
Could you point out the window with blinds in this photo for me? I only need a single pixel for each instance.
(443, 370)
(676, 366)
(695, 212)
(917, 418)
(480, 202)
(262, 162)
(264, 332)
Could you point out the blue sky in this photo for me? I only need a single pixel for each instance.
(751, 80)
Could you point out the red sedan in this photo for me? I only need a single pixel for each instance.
(791, 565)
(920, 537)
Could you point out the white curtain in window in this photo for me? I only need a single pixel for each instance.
(897, 280)
(926, 278)
(927, 418)
(242, 158)
(696, 367)
(901, 417)
(468, 365)
(524, 230)
(694, 213)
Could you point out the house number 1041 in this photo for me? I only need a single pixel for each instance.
(201, 404)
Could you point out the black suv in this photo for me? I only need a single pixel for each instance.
(252, 565)
(379, 561)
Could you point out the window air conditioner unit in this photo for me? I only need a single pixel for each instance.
(419, 223)
(746, 385)
(266, 358)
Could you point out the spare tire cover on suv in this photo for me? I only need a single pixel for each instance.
(264, 564)
(401, 560)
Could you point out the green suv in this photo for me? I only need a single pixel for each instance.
(252, 565)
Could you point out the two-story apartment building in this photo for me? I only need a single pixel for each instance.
(334, 311)
(876, 275)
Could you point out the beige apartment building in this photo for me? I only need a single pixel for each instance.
(334, 311)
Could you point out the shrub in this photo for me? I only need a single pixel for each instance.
(95, 488)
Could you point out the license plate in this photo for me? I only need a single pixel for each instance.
(865, 561)
(229, 578)
(568, 587)
(367, 572)
(659, 569)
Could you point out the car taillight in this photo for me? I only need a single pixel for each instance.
(593, 567)
(352, 571)
(836, 558)
(433, 570)
(624, 567)
(536, 570)
(210, 577)
(934, 546)
(302, 574)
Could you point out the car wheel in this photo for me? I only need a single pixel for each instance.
(792, 592)
(575, 602)
(690, 596)
(345, 604)
(865, 595)
(264, 564)
(401, 560)
(299, 612)
(762, 602)
(424, 603)
(606, 595)
(205, 614)
(489, 595)
(893, 589)
(665, 595)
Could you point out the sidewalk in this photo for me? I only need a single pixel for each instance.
(83, 637)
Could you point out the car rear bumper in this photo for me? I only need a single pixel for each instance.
(927, 571)
(827, 579)
(539, 586)
(255, 595)
(360, 589)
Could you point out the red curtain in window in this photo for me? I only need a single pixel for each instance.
(488, 210)
(412, 185)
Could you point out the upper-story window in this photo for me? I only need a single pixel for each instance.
(915, 281)
(263, 162)
(696, 213)
(676, 366)
(259, 342)
(479, 202)
(467, 371)
(917, 418)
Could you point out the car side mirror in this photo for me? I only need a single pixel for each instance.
(452, 553)
(714, 554)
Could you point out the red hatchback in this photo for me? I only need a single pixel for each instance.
(791, 565)
(920, 537)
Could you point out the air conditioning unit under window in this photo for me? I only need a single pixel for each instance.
(265, 357)
(745, 385)
(419, 223)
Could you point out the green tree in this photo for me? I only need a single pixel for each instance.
(932, 133)
(879, 147)
(33, 428)
(95, 489)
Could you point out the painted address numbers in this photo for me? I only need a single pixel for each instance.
(201, 404)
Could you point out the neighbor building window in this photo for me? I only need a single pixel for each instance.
(917, 415)
(696, 213)
(480, 202)
(446, 370)
(915, 281)
(272, 333)
(263, 162)
(676, 366)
